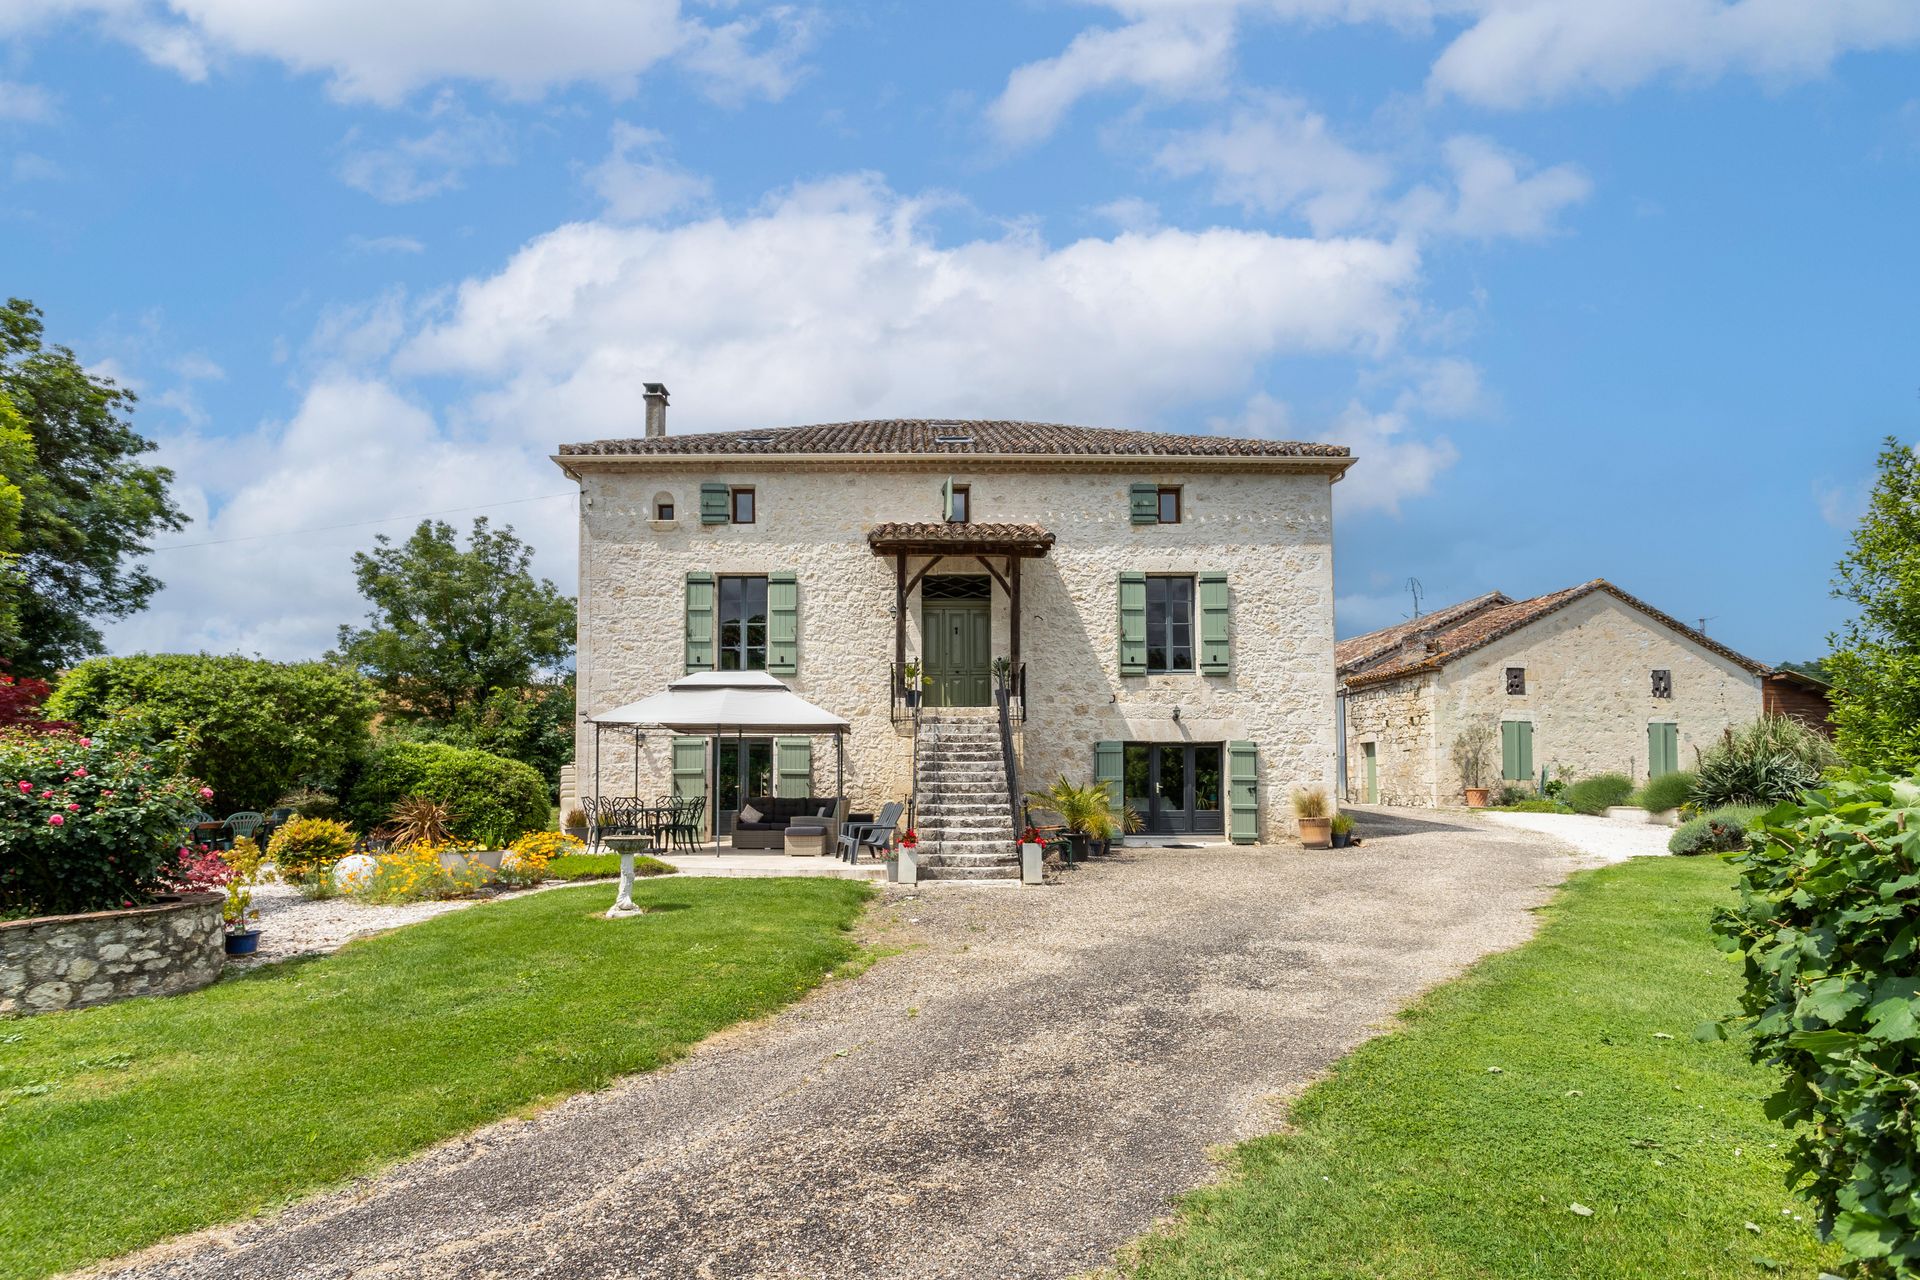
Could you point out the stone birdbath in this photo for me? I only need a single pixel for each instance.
(627, 847)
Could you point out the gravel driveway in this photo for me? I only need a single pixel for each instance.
(1017, 1094)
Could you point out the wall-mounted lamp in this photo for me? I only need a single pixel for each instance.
(893, 610)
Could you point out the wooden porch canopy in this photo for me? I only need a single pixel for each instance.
(940, 540)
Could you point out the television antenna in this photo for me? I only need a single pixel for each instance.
(1413, 586)
(1702, 628)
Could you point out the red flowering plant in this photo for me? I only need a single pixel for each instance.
(911, 840)
(85, 824)
(195, 868)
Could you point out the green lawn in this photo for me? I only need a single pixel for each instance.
(125, 1124)
(1416, 1159)
(593, 866)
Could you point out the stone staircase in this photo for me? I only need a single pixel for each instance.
(960, 798)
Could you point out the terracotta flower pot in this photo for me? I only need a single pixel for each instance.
(1477, 797)
(1316, 833)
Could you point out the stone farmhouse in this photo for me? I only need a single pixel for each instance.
(1159, 607)
(1578, 682)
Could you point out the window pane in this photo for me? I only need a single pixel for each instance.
(1169, 506)
(1137, 777)
(960, 502)
(1173, 778)
(743, 506)
(1206, 778)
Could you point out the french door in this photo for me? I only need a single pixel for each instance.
(745, 771)
(1175, 787)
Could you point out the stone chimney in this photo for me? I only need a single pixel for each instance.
(656, 409)
(1420, 643)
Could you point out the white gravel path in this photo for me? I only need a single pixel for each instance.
(1601, 838)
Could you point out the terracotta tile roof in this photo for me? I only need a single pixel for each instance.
(944, 436)
(1358, 651)
(1482, 628)
(941, 533)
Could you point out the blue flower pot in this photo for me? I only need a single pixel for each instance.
(243, 944)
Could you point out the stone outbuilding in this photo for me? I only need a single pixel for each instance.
(1578, 682)
(1160, 605)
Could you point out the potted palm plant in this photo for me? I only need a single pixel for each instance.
(1086, 810)
(1472, 757)
(914, 681)
(1310, 808)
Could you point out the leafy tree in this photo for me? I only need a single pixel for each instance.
(1815, 670)
(87, 503)
(1875, 665)
(252, 729)
(466, 646)
(16, 459)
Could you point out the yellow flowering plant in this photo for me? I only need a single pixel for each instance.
(417, 874)
(528, 857)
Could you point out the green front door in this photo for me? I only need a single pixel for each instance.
(956, 641)
(1371, 752)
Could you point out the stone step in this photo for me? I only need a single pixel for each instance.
(959, 822)
(966, 848)
(968, 860)
(970, 873)
(982, 806)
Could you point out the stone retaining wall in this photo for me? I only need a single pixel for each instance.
(69, 962)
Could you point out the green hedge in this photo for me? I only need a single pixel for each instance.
(1829, 925)
(493, 799)
(1668, 791)
(250, 729)
(1597, 794)
(1721, 830)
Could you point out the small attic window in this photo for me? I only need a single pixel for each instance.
(953, 439)
(756, 440)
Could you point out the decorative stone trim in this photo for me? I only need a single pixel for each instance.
(69, 962)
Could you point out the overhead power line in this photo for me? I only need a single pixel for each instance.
(362, 524)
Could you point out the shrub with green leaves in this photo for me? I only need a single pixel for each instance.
(1715, 831)
(251, 729)
(307, 848)
(1772, 759)
(491, 799)
(1829, 927)
(1598, 793)
(1668, 791)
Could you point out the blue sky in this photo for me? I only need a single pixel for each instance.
(1621, 291)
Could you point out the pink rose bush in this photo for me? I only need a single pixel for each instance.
(86, 825)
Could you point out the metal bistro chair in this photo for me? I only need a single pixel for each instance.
(683, 830)
(245, 822)
(856, 837)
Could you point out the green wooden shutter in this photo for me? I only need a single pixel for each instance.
(1143, 503)
(793, 767)
(1663, 749)
(1109, 766)
(689, 766)
(1516, 750)
(715, 501)
(1133, 623)
(783, 624)
(700, 621)
(1243, 793)
(946, 499)
(1216, 631)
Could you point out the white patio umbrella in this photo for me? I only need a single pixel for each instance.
(715, 703)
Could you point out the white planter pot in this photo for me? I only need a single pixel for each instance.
(910, 865)
(1030, 864)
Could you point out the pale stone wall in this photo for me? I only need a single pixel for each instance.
(69, 962)
(1270, 530)
(1397, 718)
(1589, 691)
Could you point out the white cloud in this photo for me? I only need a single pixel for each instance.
(1274, 155)
(385, 244)
(279, 579)
(24, 103)
(1843, 505)
(380, 51)
(1394, 462)
(426, 164)
(638, 183)
(1512, 53)
(838, 303)
(1520, 52)
(1175, 52)
(1493, 195)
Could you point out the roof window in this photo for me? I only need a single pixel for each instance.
(953, 439)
